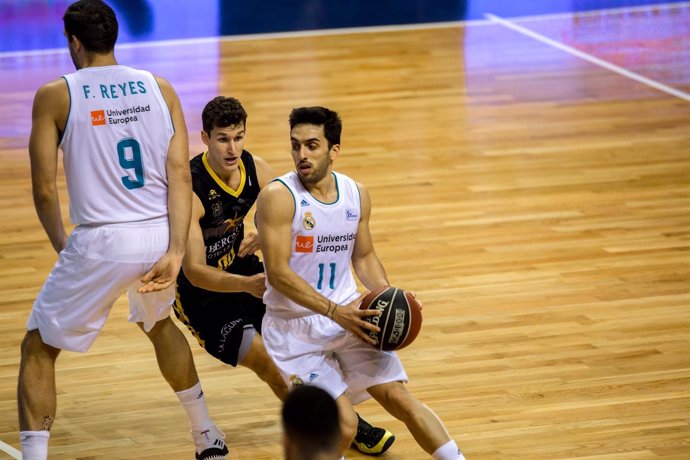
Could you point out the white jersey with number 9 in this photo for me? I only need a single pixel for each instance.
(119, 130)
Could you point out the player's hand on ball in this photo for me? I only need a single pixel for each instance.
(351, 318)
(400, 320)
(249, 245)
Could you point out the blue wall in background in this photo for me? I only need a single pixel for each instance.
(293, 15)
(37, 24)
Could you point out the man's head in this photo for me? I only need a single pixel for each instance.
(91, 25)
(223, 112)
(311, 426)
(223, 121)
(315, 138)
(319, 116)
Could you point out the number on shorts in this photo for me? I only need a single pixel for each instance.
(133, 163)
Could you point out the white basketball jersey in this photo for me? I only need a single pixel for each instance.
(323, 237)
(115, 146)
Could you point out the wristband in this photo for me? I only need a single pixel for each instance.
(331, 309)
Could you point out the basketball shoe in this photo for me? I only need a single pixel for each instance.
(210, 444)
(370, 439)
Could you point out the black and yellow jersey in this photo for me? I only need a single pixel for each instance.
(222, 224)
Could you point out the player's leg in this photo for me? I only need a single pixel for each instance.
(348, 422)
(36, 395)
(176, 364)
(173, 354)
(423, 423)
(68, 314)
(260, 363)
(152, 312)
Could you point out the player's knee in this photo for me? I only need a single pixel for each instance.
(33, 347)
(395, 398)
(160, 327)
(270, 375)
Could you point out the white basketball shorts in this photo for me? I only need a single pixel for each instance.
(96, 266)
(315, 350)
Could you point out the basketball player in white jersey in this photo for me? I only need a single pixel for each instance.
(126, 163)
(221, 283)
(312, 224)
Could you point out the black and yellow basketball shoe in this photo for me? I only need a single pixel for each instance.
(371, 440)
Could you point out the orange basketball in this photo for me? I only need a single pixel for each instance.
(400, 320)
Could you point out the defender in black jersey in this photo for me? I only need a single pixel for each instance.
(219, 320)
(222, 281)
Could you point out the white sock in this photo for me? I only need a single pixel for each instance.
(448, 451)
(34, 444)
(194, 403)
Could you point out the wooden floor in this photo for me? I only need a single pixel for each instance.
(537, 203)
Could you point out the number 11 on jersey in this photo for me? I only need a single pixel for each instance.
(331, 280)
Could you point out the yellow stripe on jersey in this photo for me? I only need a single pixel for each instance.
(223, 185)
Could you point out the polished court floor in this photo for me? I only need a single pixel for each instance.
(529, 179)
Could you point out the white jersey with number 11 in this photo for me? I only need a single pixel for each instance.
(323, 238)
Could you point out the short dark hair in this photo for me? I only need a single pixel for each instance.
(311, 420)
(221, 112)
(319, 116)
(94, 23)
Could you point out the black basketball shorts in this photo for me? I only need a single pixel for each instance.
(218, 319)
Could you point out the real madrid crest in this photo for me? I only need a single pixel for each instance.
(308, 222)
(295, 381)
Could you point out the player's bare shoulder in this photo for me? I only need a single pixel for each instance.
(167, 91)
(275, 199)
(53, 98)
(275, 190)
(163, 83)
(362, 188)
(365, 199)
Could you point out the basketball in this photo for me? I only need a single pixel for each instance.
(400, 320)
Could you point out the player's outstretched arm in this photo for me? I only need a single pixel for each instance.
(164, 272)
(48, 118)
(274, 212)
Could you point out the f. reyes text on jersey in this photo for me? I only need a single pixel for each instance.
(115, 91)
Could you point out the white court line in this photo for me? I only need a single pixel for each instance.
(14, 453)
(588, 57)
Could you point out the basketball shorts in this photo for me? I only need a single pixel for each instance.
(98, 264)
(221, 321)
(315, 350)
